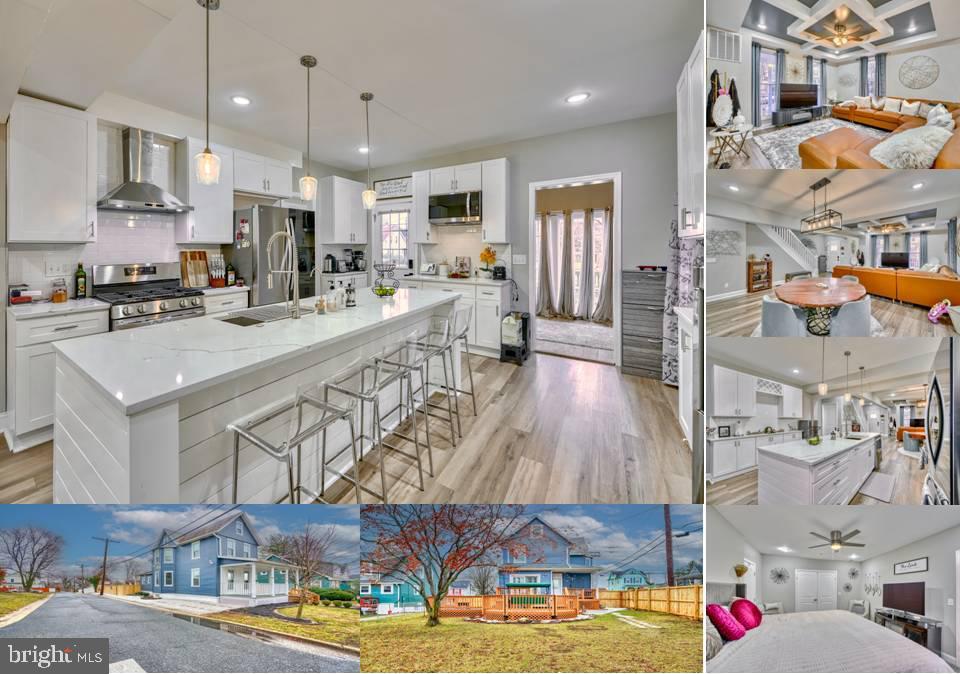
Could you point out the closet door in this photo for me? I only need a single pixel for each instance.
(827, 581)
(808, 590)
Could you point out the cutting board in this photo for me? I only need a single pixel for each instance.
(193, 269)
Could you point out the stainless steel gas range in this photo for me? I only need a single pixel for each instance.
(145, 294)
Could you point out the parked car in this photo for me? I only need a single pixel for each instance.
(368, 605)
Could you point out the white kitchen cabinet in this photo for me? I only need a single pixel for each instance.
(341, 217)
(472, 332)
(36, 369)
(211, 220)
(746, 453)
(496, 201)
(488, 318)
(734, 393)
(746, 394)
(225, 301)
(51, 173)
(489, 302)
(691, 145)
(420, 229)
(256, 174)
(792, 403)
(462, 178)
(732, 455)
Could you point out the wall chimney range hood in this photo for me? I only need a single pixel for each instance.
(138, 193)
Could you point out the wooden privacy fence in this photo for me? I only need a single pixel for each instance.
(512, 606)
(684, 600)
(121, 589)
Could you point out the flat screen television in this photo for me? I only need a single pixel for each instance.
(798, 96)
(898, 260)
(907, 597)
(918, 423)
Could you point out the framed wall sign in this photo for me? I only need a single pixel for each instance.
(394, 188)
(913, 566)
(723, 431)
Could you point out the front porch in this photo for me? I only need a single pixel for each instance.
(256, 583)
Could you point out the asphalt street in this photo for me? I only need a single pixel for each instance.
(159, 642)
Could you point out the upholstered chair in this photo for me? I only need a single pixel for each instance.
(779, 319)
(852, 320)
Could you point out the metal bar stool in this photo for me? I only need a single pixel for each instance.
(436, 342)
(461, 326)
(307, 397)
(365, 383)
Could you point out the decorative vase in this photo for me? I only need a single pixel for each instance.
(486, 273)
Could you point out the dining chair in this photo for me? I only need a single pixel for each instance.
(779, 319)
(852, 319)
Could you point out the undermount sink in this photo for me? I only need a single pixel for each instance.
(260, 315)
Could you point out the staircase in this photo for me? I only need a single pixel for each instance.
(792, 245)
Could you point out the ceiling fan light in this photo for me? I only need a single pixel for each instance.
(308, 188)
(369, 199)
(208, 167)
(835, 546)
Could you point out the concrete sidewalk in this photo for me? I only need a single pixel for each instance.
(174, 605)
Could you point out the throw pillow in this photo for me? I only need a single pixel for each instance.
(931, 267)
(863, 102)
(747, 613)
(892, 105)
(937, 110)
(714, 641)
(945, 121)
(915, 148)
(877, 103)
(847, 104)
(726, 624)
(912, 109)
(925, 109)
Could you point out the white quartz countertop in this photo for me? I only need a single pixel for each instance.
(754, 435)
(800, 451)
(154, 364)
(473, 280)
(40, 309)
(229, 290)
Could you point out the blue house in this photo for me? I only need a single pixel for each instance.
(547, 562)
(392, 592)
(221, 561)
(627, 580)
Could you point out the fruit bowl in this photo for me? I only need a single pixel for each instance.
(384, 291)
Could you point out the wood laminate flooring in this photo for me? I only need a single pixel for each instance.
(739, 317)
(555, 430)
(907, 486)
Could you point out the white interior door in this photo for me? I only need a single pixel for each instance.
(750, 580)
(829, 417)
(827, 581)
(807, 590)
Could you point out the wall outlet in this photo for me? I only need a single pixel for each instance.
(519, 259)
(54, 267)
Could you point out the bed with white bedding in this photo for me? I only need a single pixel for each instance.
(823, 641)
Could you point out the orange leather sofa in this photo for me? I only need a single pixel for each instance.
(909, 429)
(847, 148)
(913, 287)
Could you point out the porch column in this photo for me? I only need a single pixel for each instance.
(273, 590)
(253, 580)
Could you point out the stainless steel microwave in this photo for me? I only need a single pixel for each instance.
(459, 208)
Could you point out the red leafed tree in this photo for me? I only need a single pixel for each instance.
(430, 546)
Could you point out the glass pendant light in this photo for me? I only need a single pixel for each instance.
(822, 387)
(862, 401)
(208, 164)
(308, 184)
(847, 397)
(369, 195)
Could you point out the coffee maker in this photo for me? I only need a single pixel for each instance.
(359, 261)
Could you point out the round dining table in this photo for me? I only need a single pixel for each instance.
(820, 297)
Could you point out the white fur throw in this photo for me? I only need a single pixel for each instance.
(925, 109)
(912, 109)
(877, 103)
(892, 105)
(863, 102)
(916, 148)
(937, 110)
(945, 121)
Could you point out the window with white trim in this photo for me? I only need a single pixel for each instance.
(518, 578)
(168, 555)
(394, 237)
(386, 588)
(246, 550)
(195, 550)
(364, 589)
(915, 260)
(239, 528)
(231, 547)
(168, 578)
(195, 577)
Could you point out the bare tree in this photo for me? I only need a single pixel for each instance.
(484, 579)
(133, 569)
(430, 546)
(306, 551)
(31, 551)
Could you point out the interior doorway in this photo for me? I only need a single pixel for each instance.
(750, 580)
(575, 269)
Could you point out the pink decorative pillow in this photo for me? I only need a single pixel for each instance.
(726, 624)
(746, 613)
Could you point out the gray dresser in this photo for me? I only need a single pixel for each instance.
(643, 302)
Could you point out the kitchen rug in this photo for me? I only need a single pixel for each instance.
(878, 486)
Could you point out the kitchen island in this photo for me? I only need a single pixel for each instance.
(141, 415)
(830, 473)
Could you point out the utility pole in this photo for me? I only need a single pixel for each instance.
(83, 579)
(668, 533)
(103, 572)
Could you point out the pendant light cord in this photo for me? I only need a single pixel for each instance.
(308, 122)
(366, 110)
(207, 111)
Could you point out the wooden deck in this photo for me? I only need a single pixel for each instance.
(515, 606)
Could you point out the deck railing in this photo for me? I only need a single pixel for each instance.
(506, 606)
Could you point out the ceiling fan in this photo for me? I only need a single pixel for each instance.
(837, 540)
(842, 34)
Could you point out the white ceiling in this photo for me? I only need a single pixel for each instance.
(882, 529)
(447, 74)
(857, 194)
(884, 359)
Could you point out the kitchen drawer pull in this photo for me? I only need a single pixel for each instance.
(837, 481)
(227, 304)
(655, 341)
(64, 328)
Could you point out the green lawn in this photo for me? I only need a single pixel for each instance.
(336, 625)
(11, 601)
(604, 644)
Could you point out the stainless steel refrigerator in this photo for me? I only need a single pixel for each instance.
(252, 229)
(699, 401)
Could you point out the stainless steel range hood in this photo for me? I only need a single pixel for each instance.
(138, 192)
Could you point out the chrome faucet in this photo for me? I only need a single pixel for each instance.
(293, 271)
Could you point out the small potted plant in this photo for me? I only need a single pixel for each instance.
(488, 256)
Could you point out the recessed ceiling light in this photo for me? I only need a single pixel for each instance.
(854, 556)
(573, 99)
(784, 548)
(733, 188)
(918, 186)
(796, 371)
(762, 26)
(560, 186)
(241, 100)
(836, 51)
(912, 29)
(363, 150)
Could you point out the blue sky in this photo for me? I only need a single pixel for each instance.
(130, 528)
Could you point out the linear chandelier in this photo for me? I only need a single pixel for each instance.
(824, 221)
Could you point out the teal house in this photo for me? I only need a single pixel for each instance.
(628, 580)
(392, 592)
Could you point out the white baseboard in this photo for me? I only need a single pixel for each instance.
(951, 660)
(726, 296)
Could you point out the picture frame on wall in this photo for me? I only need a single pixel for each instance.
(918, 565)
(394, 188)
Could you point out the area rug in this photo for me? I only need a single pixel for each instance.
(578, 333)
(876, 330)
(782, 147)
(878, 486)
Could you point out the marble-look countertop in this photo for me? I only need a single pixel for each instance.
(40, 309)
(228, 290)
(473, 280)
(754, 435)
(803, 453)
(155, 364)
